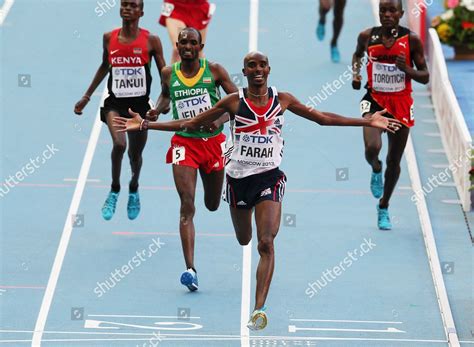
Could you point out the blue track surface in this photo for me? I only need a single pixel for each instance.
(385, 297)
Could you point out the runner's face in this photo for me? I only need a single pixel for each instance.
(131, 9)
(256, 69)
(188, 45)
(390, 13)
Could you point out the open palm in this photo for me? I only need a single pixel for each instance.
(128, 124)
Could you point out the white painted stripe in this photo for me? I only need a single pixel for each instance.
(92, 180)
(428, 237)
(254, 338)
(67, 230)
(431, 250)
(136, 316)
(344, 321)
(452, 202)
(293, 329)
(247, 250)
(7, 5)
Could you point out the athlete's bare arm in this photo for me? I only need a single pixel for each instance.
(229, 104)
(163, 102)
(288, 101)
(102, 71)
(361, 47)
(222, 79)
(420, 74)
(156, 51)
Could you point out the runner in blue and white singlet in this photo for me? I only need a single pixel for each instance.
(254, 180)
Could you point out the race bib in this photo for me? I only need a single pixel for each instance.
(194, 105)
(387, 78)
(179, 154)
(128, 82)
(364, 107)
(166, 9)
(258, 150)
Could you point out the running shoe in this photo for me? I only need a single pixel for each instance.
(108, 209)
(383, 219)
(335, 55)
(376, 184)
(133, 206)
(258, 320)
(320, 31)
(189, 279)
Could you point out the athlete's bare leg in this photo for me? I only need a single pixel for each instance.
(212, 183)
(136, 144)
(338, 20)
(373, 145)
(185, 180)
(267, 217)
(119, 141)
(324, 7)
(242, 221)
(174, 26)
(396, 147)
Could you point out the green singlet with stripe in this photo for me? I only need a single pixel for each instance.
(192, 96)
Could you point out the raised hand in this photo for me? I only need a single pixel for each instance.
(128, 124)
(377, 120)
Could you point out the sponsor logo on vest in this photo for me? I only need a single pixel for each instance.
(127, 60)
(137, 50)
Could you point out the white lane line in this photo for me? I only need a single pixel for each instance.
(254, 338)
(247, 250)
(137, 316)
(344, 321)
(90, 180)
(7, 5)
(428, 237)
(293, 329)
(67, 230)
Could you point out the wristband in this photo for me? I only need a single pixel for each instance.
(87, 97)
(144, 124)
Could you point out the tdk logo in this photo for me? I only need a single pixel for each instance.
(128, 71)
(192, 101)
(257, 139)
(387, 68)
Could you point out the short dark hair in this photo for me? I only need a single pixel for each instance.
(192, 29)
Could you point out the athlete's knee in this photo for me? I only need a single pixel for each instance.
(187, 208)
(212, 204)
(265, 245)
(372, 149)
(134, 156)
(119, 147)
(244, 240)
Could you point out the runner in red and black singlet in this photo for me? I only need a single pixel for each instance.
(127, 56)
(254, 181)
(392, 52)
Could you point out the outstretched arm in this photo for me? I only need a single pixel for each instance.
(327, 118)
(227, 104)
